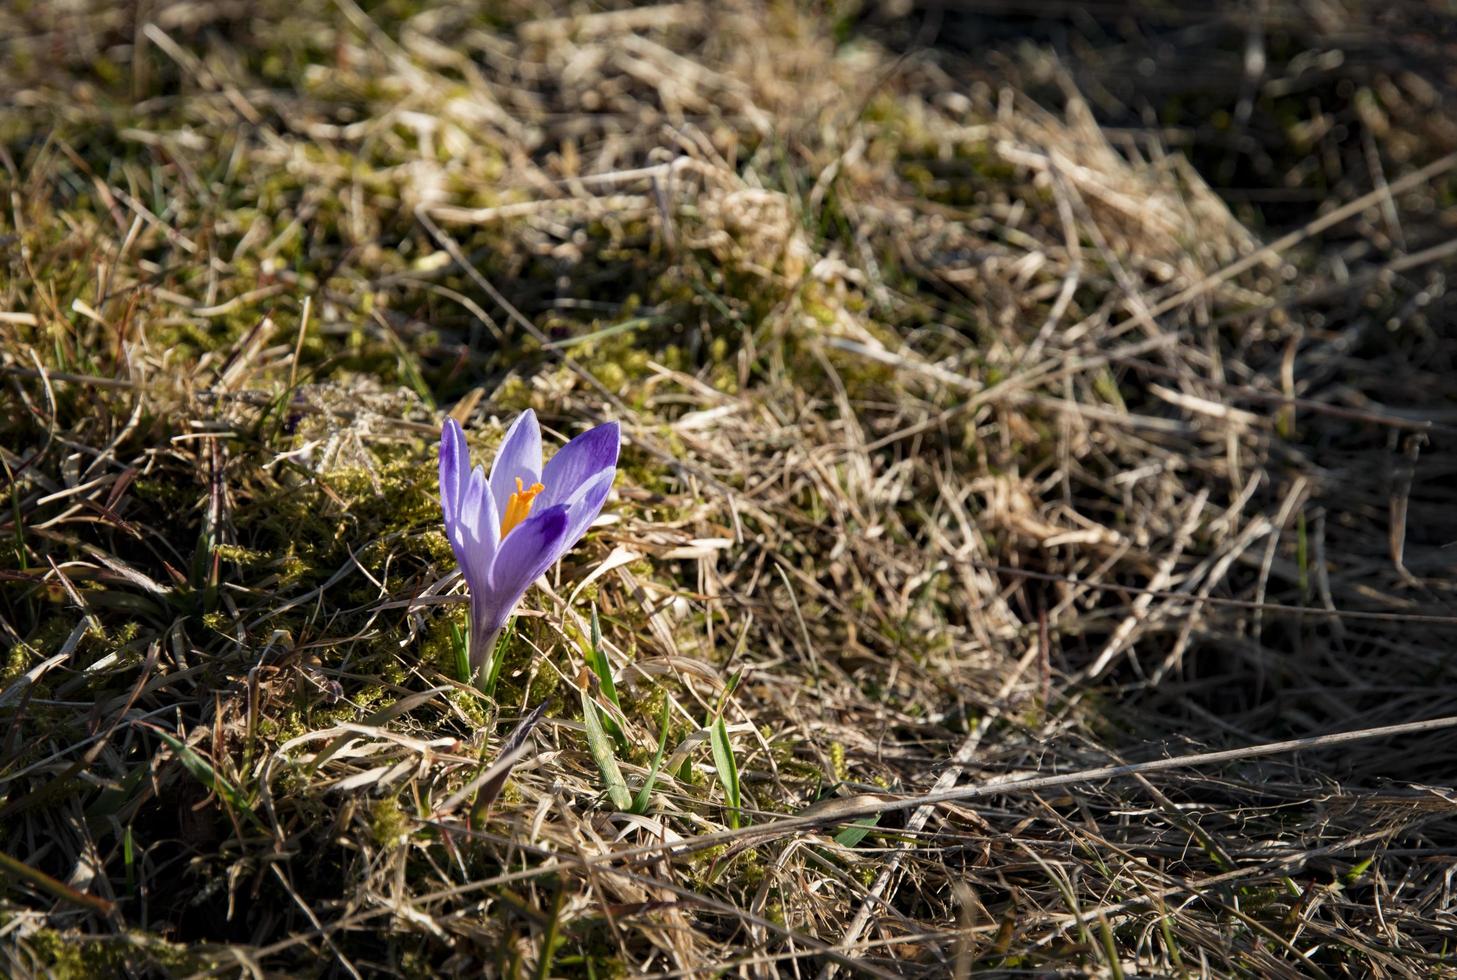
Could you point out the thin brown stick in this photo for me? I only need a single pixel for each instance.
(859, 808)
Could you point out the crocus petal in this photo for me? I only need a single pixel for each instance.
(527, 552)
(475, 533)
(579, 461)
(454, 467)
(586, 504)
(518, 458)
(488, 524)
(469, 512)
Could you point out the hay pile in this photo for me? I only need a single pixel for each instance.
(1002, 398)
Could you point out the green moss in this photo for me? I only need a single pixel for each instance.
(437, 647)
(388, 824)
(124, 634)
(513, 395)
(22, 657)
(53, 632)
(239, 555)
(543, 686)
(69, 956)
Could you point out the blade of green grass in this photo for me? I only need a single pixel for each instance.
(498, 657)
(635, 323)
(640, 804)
(600, 664)
(129, 858)
(723, 752)
(855, 833)
(597, 660)
(727, 766)
(552, 937)
(600, 745)
(204, 772)
(10, 867)
(459, 647)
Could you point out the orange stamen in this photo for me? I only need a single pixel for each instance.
(518, 508)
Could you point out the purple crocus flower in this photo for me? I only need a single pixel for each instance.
(509, 528)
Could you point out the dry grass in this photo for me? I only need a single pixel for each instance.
(969, 427)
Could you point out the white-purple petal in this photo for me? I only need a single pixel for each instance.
(519, 458)
(475, 532)
(579, 461)
(454, 465)
(469, 511)
(527, 552)
(586, 504)
(488, 524)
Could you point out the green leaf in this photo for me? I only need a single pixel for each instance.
(462, 653)
(129, 858)
(602, 753)
(728, 689)
(723, 752)
(728, 769)
(1353, 876)
(203, 772)
(640, 804)
(600, 666)
(552, 939)
(855, 833)
(498, 657)
(12, 868)
(597, 660)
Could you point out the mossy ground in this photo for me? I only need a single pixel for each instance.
(965, 423)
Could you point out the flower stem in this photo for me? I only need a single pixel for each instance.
(483, 667)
